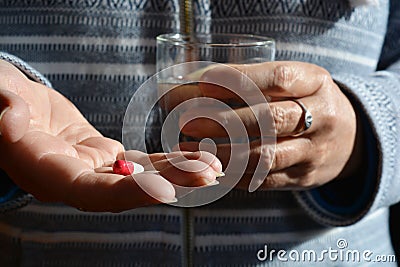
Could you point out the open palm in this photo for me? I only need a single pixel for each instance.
(51, 151)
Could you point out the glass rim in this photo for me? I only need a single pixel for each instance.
(182, 39)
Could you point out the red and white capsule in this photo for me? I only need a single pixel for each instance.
(125, 167)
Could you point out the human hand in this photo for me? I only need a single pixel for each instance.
(311, 159)
(51, 151)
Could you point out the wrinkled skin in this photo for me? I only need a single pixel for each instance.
(327, 150)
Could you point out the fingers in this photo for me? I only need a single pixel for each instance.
(14, 116)
(202, 156)
(289, 118)
(277, 79)
(234, 157)
(80, 187)
(285, 166)
(147, 159)
(60, 176)
(162, 159)
(110, 192)
(190, 173)
(288, 152)
(281, 80)
(212, 122)
(281, 118)
(181, 168)
(287, 179)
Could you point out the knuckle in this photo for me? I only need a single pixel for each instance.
(325, 76)
(321, 154)
(267, 157)
(279, 115)
(284, 75)
(272, 181)
(322, 75)
(307, 180)
(307, 174)
(318, 157)
(330, 115)
(280, 160)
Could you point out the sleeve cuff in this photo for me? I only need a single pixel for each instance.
(345, 201)
(30, 72)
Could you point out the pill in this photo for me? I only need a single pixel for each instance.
(125, 167)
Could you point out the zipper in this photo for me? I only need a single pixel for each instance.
(186, 20)
(187, 238)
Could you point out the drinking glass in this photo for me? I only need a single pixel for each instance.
(181, 63)
(204, 51)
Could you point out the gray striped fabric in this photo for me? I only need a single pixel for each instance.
(98, 52)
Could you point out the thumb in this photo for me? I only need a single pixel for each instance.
(14, 116)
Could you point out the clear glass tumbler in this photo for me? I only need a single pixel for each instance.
(203, 50)
(181, 63)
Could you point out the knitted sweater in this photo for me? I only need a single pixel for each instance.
(98, 52)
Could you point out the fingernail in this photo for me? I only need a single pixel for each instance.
(255, 183)
(215, 182)
(174, 200)
(3, 112)
(219, 174)
(138, 168)
(1, 116)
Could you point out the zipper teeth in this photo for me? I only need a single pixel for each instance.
(187, 235)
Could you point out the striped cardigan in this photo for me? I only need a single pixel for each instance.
(89, 50)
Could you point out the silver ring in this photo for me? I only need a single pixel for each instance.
(308, 118)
